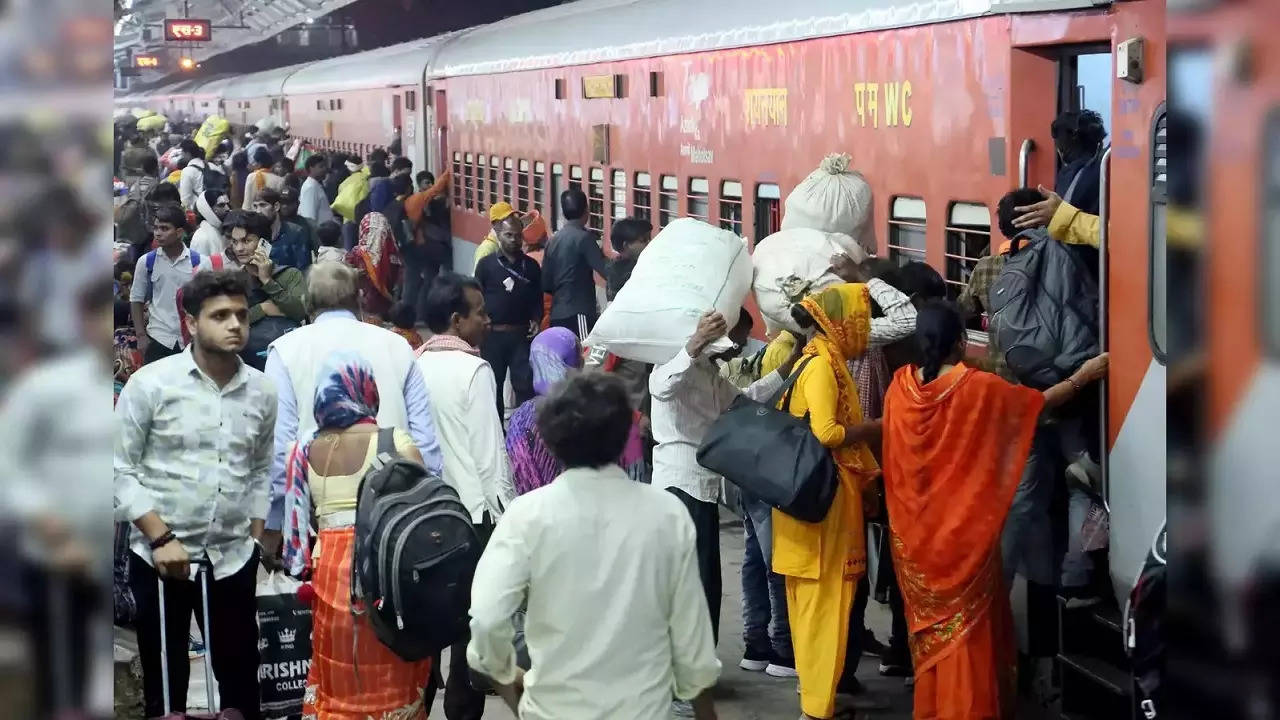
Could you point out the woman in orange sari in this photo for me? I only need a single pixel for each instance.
(955, 442)
(822, 561)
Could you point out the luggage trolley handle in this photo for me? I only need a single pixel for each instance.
(203, 568)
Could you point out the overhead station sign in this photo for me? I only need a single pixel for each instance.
(146, 61)
(187, 30)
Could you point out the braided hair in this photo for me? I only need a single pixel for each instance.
(938, 331)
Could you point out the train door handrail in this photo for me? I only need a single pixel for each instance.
(1024, 156)
(1104, 217)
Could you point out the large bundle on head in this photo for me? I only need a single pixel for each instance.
(791, 264)
(690, 268)
(267, 124)
(832, 199)
(212, 132)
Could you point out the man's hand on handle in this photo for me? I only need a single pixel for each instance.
(711, 327)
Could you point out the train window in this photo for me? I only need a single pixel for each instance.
(906, 230)
(618, 190)
(482, 171)
(768, 210)
(731, 206)
(507, 193)
(968, 241)
(333, 104)
(641, 198)
(699, 198)
(457, 174)
(410, 100)
(575, 177)
(319, 104)
(339, 103)
(560, 92)
(668, 200)
(1156, 301)
(557, 186)
(595, 200)
(522, 186)
(493, 181)
(468, 184)
(655, 84)
(539, 189)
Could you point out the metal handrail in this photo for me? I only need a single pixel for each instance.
(1024, 155)
(1104, 218)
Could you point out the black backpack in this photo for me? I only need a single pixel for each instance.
(213, 180)
(414, 556)
(1144, 627)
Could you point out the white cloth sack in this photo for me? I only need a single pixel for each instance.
(832, 199)
(689, 269)
(792, 264)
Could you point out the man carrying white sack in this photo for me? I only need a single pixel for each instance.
(688, 396)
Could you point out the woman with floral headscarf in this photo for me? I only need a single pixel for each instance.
(822, 561)
(378, 260)
(322, 477)
(554, 353)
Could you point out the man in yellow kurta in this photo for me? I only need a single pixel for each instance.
(822, 561)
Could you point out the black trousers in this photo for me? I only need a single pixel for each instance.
(420, 270)
(58, 620)
(508, 351)
(706, 525)
(463, 693)
(156, 351)
(232, 641)
(580, 324)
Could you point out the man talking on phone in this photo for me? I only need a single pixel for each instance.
(276, 293)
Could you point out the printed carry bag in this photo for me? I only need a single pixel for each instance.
(284, 646)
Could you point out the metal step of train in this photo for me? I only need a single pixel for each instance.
(1093, 671)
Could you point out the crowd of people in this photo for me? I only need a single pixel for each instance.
(280, 307)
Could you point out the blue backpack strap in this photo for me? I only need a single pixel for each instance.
(195, 260)
(151, 266)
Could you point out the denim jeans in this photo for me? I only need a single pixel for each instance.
(1077, 566)
(1027, 542)
(764, 593)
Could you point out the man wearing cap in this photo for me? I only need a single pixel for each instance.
(497, 213)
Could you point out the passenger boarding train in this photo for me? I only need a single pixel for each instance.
(668, 108)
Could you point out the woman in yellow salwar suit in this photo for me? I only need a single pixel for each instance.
(955, 442)
(822, 561)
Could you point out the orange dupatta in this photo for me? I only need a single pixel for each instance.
(954, 450)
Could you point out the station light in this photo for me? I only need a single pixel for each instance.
(187, 63)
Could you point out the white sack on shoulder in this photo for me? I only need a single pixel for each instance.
(832, 199)
(791, 264)
(690, 268)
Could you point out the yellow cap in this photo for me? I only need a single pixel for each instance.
(500, 211)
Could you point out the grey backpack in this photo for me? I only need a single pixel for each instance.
(414, 555)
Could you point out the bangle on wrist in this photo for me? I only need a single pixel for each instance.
(1077, 386)
(163, 540)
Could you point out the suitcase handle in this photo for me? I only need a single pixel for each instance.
(202, 568)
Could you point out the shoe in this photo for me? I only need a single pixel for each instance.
(755, 661)
(1086, 473)
(850, 686)
(1085, 599)
(1043, 689)
(195, 648)
(896, 665)
(681, 709)
(871, 646)
(781, 667)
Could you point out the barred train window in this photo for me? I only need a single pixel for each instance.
(493, 181)
(668, 200)
(968, 241)
(539, 188)
(557, 186)
(467, 182)
(575, 177)
(595, 200)
(641, 198)
(699, 198)
(522, 187)
(507, 193)
(482, 172)
(731, 206)
(618, 193)
(457, 173)
(768, 209)
(906, 230)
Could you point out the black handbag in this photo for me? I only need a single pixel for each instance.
(261, 335)
(773, 455)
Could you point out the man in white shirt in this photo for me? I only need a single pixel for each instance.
(212, 206)
(616, 625)
(192, 473)
(314, 204)
(191, 184)
(156, 280)
(688, 396)
(462, 388)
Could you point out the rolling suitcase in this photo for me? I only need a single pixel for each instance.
(204, 571)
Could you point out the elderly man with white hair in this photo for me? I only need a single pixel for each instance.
(294, 360)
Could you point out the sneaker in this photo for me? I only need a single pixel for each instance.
(896, 665)
(781, 667)
(195, 648)
(681, 709)
(755, 661)
(871, 646)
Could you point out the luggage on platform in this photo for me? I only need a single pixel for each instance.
(832, 199)
(793, 264)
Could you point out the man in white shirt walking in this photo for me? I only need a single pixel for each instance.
(462, 388)
(192, 468)
(314, 204)
(609, 569)
(191, 184)
(688, 396)
(153, 298)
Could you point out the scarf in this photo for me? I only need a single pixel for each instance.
(443, 343)
(552, 354)
(376, 250)
(843, 315)
(346, 394)
(206, 212)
